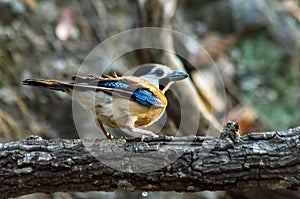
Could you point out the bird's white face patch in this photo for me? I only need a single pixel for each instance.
(157, 73)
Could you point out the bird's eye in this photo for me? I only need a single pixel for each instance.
(159, 72)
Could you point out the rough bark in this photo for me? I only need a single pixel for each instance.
(266, 160)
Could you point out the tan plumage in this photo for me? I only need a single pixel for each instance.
(124, 110)
(114, 99)
(120, 112)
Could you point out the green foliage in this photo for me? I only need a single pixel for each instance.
(268, 82)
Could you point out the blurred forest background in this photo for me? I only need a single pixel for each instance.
(254, 43)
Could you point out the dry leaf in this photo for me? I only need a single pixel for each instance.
(246, 117)
(218, 45)
(31, 5)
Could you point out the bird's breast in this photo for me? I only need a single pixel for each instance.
(144, 115)
(115, 111)
(120, 111)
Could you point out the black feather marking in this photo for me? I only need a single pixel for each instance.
(143, 70)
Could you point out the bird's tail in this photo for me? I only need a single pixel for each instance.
(50, 84)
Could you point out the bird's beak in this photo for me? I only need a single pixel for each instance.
(177, 75)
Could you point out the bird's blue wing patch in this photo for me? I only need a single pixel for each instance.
(112, 84)
(140, 95)
(147, 98)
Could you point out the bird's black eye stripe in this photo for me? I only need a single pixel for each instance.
(159, 72)
(143, 70)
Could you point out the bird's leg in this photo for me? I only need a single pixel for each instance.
(142, 131)
(101, 126)
(130, 126)
(167, 87)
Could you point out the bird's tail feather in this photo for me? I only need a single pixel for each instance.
(50, 84)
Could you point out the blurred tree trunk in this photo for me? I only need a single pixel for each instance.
(158, 13)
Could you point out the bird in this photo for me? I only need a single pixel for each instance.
(128, 102)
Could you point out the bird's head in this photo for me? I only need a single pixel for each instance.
(159, 74)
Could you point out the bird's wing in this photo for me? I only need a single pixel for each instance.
(125, 87)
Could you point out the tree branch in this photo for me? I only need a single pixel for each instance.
(185, 164)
